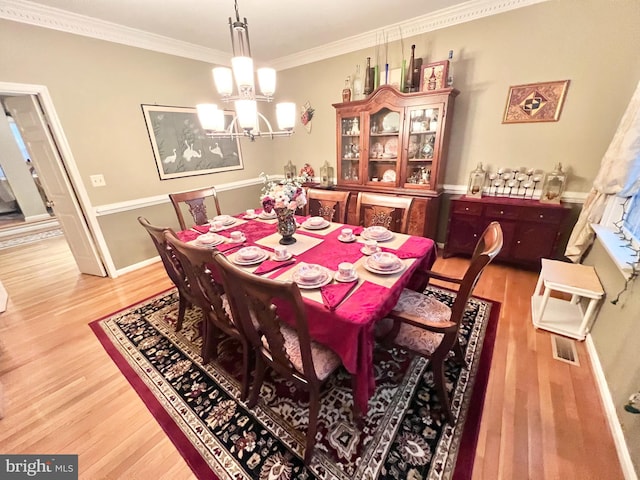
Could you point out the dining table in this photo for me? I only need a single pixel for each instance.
(340, 315)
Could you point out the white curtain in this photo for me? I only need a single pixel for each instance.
(619, 175)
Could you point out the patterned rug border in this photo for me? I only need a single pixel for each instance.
(471, 428)
(30, 238)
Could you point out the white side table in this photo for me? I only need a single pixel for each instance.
(563, 316)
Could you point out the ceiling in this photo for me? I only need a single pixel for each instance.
(278, 29)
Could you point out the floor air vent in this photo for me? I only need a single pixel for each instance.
(564, 350)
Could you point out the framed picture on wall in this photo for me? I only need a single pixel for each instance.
(434, 76)
(535, 102)
(182, 148)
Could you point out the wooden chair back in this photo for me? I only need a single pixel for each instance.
(198, 264)
(487, 248)
(196, 205)
(188, 296)
(252, 299)
(389, 211)
(328, 204)
(167, 255)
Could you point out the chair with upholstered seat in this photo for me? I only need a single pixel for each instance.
(328, 204)
(288, 351)
(389, 211)
(196, 204)
(428, 327)
(186, 294)
(200, 267)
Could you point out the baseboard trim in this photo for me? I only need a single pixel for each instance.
(136, 266)
(610, 411)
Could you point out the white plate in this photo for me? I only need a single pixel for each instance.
(253, 261)
(324, 279)
(367, 252)
(389, 176)
(250, 217)
(283, 259)
(384, 238)
(344, 239)
(214, 240)
(340, 278)
(391, 122)
(388, 271)
(266, 216)
(308, 226)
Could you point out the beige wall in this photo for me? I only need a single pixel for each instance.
(616, 336)
(593, 43)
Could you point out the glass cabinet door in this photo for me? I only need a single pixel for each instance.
(384, 147)
(423, 126)
(350, 149)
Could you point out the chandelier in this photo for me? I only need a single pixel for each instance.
(247, 119)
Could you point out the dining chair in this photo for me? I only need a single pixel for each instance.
(389, 211)
(187, 296)
(201, 271)
(428, 327)
(196, 202)
(328, 204)
(288, 351)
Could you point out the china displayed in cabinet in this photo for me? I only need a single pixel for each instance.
(396, 143)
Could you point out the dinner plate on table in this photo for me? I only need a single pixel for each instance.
(260, 257)
(319, 226)
(267, 216)
(208, 240)
(367, 235)
(370, 265)
(323, 279)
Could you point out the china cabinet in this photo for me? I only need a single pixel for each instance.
(396, 143)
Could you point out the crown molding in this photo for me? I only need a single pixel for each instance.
(446, 17)
(31, 13)
(56, 19)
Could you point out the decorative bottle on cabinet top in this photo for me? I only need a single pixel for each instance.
(368, 83)
(358, 89)
(450, 72)
(346, 91)
(408, 87)
(432, 80)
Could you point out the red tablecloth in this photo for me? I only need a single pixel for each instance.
(347, 330)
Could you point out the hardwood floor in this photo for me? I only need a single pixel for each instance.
(542, 418)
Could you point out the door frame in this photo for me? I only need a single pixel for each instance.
(71, 170)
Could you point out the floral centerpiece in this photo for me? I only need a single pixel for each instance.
(284, 197)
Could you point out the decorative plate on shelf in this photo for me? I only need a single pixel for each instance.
(391, 147)
(389, 176)
(391, 122)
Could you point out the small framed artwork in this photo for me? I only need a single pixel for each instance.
(181, 146)
(535, 102)
(433, 76)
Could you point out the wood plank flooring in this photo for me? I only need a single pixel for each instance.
(542, 418)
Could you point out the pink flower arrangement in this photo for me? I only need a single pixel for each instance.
(284, 194)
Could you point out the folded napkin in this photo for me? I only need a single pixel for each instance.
(187, 235)
(357, 230)
(271, 265)
(202, 228)
(224, 247)
(334, 293)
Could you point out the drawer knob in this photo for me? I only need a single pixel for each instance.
(541, 216)
(475, 235)
(518, 242)
(466, 209)
(501, 212)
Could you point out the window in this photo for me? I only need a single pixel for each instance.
(631, 223)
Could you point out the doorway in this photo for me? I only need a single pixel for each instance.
(32, 109)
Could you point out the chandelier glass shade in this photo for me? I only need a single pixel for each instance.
(247, 119)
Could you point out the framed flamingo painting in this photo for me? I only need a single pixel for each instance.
(181, 146)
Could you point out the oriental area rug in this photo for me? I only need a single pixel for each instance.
(402, 436)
